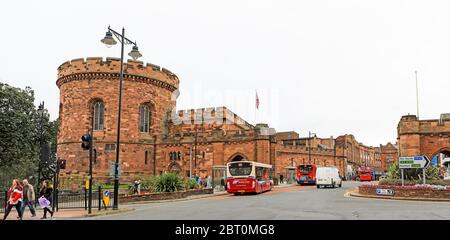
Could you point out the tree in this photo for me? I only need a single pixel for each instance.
(20, 134)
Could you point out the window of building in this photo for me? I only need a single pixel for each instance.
(146, 158)
(99, 116)
(109, 147)
(144, 122)
(95, 156)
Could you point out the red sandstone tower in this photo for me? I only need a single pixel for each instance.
(89, 98)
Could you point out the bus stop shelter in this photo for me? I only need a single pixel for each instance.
(219, 178)
(290, 174)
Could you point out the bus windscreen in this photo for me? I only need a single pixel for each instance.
(305, 169)
(240, 169)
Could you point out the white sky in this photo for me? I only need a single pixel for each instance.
(330, 67)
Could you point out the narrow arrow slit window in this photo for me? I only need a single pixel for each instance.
(144, 122)
(99, 117)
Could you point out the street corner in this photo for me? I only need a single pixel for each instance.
(105, 212)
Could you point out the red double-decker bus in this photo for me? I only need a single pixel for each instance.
(306, 174)
(364, 174)
(248, 177)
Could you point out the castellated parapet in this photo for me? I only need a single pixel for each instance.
(98, 68)
(216, 116)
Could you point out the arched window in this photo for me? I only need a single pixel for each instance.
(99, 116)
(144, 118)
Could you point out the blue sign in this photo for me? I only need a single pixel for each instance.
(382, 191)
(107, 193)
(434, 161)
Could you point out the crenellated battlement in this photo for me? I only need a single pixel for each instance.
(98, 67)
(217, 115)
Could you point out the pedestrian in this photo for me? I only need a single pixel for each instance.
(135, 186)
(281, 178)
(200, 182)
(45, 199)
(14, 199)
(208, 182)
(196, 177)
(139, 187)
(28, 198)
(222, 183)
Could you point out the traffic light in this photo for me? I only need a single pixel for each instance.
(62, 164)
(86, 138)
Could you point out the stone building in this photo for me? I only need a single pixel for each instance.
(389, 155)
(156, 138)
(424, 137)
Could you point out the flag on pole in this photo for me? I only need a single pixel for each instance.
(257, 101)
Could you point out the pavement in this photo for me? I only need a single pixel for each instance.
(69, 214)
(66, 214)
(284, 202)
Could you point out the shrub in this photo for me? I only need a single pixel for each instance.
(191, 184)
(394, 172)
(169, 182)
(398, 182)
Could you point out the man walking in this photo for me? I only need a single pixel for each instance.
(28, 198)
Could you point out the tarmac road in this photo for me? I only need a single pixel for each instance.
(294, 202)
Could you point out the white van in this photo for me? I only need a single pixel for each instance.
(328, 176)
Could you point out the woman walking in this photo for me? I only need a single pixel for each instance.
(45, 199)
(14, 199)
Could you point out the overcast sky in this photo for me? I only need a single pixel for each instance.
(329, 67)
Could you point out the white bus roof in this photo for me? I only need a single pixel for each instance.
(257, 164)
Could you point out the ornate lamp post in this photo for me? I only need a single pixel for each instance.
(109, 41)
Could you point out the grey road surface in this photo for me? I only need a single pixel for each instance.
(288, 203)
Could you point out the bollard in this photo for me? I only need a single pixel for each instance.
(100, 198)
(6, 200)
(85, 199)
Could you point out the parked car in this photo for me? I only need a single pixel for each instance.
(328, 176)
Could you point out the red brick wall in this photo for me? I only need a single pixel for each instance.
(409, 193)
(81, 82)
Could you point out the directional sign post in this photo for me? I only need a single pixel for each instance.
(414, 162)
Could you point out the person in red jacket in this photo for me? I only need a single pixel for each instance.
(14, 199)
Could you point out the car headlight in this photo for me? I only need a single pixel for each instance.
(253, 184)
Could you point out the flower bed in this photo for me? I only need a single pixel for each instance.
(413, 192)
(435, 187)
(165, 195)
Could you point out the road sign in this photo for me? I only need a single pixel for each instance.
(383, 191)
(106, 197)
(413, 162)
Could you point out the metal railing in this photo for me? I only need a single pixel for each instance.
(74, 200)
(71, 200)
(3, 200)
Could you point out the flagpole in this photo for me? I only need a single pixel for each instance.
(256, 107)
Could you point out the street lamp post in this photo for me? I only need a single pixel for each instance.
(309, 145)
(108, 40)
(41, 111)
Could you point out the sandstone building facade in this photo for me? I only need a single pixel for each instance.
(156, 138)
(424, 137)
